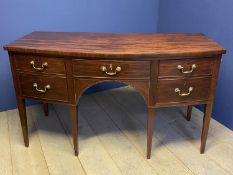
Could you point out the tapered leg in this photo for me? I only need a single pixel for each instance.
(205, 126)
(150, 129)
(74, 127)
(23, 120)
(189, 113)
(46, 109)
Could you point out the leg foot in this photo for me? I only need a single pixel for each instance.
(74, 127)
(205, 126)
(23, 120)
(76, 152)
(150, 129)
(189, 113)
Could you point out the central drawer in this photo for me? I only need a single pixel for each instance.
(44, 87)
(111, 69)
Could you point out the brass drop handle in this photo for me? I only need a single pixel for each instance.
(179, 67)
(177, 90)
(35, 85)
(43, 66)
(111, 72)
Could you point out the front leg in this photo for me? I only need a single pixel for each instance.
(74, 127)
(189, 113)
(23, 119)
(46, 109)
(205, 126)
(150, 129)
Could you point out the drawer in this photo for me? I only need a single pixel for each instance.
(44, 87)
(182, 90)
(111, 69)
(180, 68)
(40, 64)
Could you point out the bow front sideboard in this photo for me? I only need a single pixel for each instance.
(166, 69)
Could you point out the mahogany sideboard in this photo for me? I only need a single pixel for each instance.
(166, 69)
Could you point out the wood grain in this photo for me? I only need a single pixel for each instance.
(112, 45)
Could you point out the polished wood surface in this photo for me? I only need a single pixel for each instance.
(120, 46)
(166, 69)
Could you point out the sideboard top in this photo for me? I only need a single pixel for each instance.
(116, 45)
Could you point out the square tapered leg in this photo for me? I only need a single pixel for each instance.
(150, 129)
(23, 120)
(74, 127)
(205, 126)
(46, 109)
(189, 113)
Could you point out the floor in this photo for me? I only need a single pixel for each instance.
(112, 140)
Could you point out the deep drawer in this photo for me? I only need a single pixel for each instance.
(44, 87)
(111, 69)
(40, 64)
(183, 90)
(181, 68)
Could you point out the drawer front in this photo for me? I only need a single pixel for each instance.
(180, 68)
(44, 87)
(183, 90)
(40, 64)
(111, 69)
